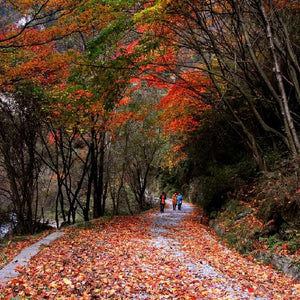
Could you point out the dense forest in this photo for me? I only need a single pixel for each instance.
(106, 103)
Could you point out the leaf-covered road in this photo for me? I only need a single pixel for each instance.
(150, 256)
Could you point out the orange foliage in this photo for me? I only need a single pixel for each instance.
(72, 17)
(183, 104)
(53, 137)
(124, 101)
(293, 4)
(40, 64)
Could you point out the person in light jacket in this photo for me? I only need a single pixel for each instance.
(179, 200)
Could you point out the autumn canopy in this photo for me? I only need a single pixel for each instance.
(105, 103)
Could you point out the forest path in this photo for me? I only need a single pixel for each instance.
(150, 256)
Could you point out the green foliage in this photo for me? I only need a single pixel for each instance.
(246, 169)
(272, 241)
(223, 179)
(215, 187)
(271, 159)
(294, 244)
(84, 225)
(108, 38)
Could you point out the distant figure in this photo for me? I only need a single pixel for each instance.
(174, 200)
(179, 200)
(162, 201)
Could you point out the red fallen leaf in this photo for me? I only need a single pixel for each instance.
(298, 191)
(20, 268)
(14, 247)
(105, 263)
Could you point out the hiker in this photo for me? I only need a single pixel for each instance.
(174, 201)
(179, 200)
(162, 201)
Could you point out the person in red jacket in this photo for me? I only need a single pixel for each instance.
(162, 198)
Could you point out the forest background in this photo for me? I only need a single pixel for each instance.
(106, 103)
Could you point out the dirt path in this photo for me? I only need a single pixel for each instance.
(151, 256)
(196, 269)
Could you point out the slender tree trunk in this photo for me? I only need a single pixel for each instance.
(282, 101)
(99, 204)
(292, 133)
(56, 212)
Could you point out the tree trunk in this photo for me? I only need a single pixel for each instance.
(98, 179)
(286, 113)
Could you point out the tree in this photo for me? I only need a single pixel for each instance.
(46, 21)
(24, 74)
(18, 142)
(139, 146)
(218, 39)
(27, 74)
(28, 53)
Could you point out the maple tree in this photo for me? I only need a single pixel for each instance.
(51, 20)
(99, 90)
(182, 109)
(24, 73)
(89, 57)
(140, 146)
(19, 121)
(27, 73)
(233, 57)
(104, 73)
(83, 108)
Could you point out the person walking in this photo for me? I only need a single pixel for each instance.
(162, 198)
(179, 200)
(174, 201)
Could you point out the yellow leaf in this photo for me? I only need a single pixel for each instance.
(67, 281)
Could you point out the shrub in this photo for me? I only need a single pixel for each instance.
(222, 180)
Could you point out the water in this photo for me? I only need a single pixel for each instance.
(4, 230)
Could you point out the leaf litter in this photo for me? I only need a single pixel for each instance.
(149, 256)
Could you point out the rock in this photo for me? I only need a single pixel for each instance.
(283, 263)
(243, 214)
(213, 214)
(219, 230)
